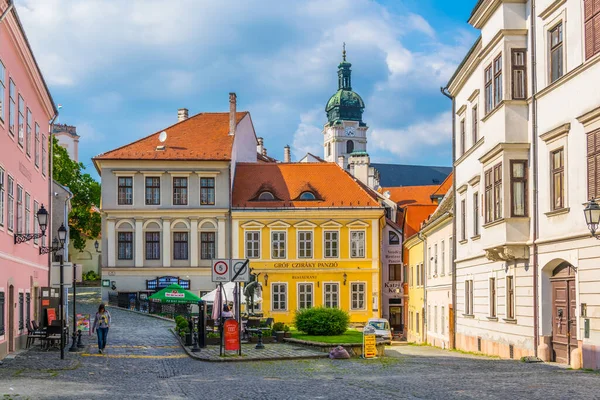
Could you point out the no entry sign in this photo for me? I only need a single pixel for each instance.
(220, 271)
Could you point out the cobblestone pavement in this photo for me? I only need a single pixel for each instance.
(145, 362)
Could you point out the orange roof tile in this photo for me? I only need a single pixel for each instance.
(444, 187)
(204, 136)
(330, 184)
(411, 195)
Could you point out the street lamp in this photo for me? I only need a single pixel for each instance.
(42, 217)
(62, 237)
(53, 249)
(592, 217)
(266, 278)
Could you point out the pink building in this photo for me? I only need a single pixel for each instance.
(26, 107)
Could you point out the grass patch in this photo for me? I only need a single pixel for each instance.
(350, 336)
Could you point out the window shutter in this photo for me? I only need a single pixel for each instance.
(596, 37)
(589, 39)
(591, 165)
(596, 5)
(588, 8)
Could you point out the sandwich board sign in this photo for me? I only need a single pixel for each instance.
(240, 270)
(369, 342)
(220, 271)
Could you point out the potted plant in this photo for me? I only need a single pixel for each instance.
(213, 338)
(286, 332)
(278, 331)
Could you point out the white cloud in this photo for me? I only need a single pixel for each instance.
(308, 138)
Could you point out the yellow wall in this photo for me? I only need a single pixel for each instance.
(317, 270)
(415, 292)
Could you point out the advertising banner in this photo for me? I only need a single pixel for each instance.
(83, 322)
(231, 334)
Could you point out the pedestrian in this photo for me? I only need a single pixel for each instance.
(101, 325)
(227, 313)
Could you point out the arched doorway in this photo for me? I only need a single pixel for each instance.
(564, 312)
(11, 318)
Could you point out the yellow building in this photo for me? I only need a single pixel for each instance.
(416, 289)
(312, 235)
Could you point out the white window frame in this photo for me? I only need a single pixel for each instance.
(27, 212)
(253, 240)
(435, 260)
(514, 297)
(284, 285)
(326, 292)
(2, 194)
(358, 242)
(443, 321)
(20, 209)
(36, 226)
(435, 319)
(281, 242)
(443, 256)
(304, 241)
(300, 292)
(336, 241)
(118, 176)
(160, 185)
(364, 294)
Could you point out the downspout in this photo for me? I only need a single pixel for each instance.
(50, 191)
(534, 128)
(446, 93)
(424, 278)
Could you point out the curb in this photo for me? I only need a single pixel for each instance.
(141, 313)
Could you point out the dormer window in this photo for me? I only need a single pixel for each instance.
(307, 196)
(266, 196)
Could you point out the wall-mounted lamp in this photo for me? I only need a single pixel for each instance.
(266, 279)
(345, 278)
(42, 217)
(592, 217)
(96, 246)
(318, 284)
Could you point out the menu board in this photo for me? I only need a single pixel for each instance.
(83, 322)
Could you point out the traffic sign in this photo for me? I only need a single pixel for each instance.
(241, 268)
(220, 270)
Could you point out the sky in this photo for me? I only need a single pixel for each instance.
(121, 69)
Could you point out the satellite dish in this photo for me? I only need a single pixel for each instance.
(162, 137)
(387, 194)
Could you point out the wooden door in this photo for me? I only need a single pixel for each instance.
(396, 319)
(11, 318)
(564, 314)
(451, 328)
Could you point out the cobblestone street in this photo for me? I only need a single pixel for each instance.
(143, 359)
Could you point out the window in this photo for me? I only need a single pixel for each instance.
(463, 220)
(28, 135)
(328, 149)
(498, 191)
(395, 272)
(20, 210)
(277, 244)
(435, 259)
(2, 88)
(27, 213)
(357, 294)
(556, 52)
(429, 263)
(510, 298)
(469, 297)
(463, 140)
(305, 295)
(21, 309)
(476, 214)
(36, 149)
(36, 227)
(125, 245)
(21, 120)
(331, 244)
(180, 245)
(2, 316)
(207, 245)
(497, 80)
(492, 297)
(451, 251)
(332, 294)
(519, 73)
(2, 190)
(279, 297)
(44, 144)
(125, 196)
(592, 28)
(489, 96)
(253, 244)
(152, 245)
(493, 193)
(349, 146)
(207, 191)
(11, 204)
(307, 196)
(443, 248)
(180, 194)
(304, 244)
(27, 308)
(443, 321)
(518, 177)
(357, 244)
(152, 190)
(558, 179)
(394, 238)
(266, 196)
(435, 319)
(418, 275)
(417, 324)
(412, 276)
(12, 108)
(475, 124)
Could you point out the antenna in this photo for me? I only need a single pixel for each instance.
(162, 137)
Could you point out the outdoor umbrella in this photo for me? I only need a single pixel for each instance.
(217, 304)
(175, 294)
(228, 293)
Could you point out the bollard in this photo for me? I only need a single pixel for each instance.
(260, 344)
(79, 344)
(74, 345)
(195, 349)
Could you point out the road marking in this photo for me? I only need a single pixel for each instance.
(132, 356)
(140, 347)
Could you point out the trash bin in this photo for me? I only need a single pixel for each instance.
(279, 336)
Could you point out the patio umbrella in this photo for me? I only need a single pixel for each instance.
(175, 294)
(235, 298)
(217, 303)
(228, 292)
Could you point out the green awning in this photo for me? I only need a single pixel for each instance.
(174, 294)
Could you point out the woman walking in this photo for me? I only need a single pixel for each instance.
(101, 325)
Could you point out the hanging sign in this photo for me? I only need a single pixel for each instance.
(369, 342)
(220, 271)
(231, 335)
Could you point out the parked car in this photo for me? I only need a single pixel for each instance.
(382, 328)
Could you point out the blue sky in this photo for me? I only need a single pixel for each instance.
(121, 69)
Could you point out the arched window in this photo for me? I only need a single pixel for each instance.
(307, 196)
(349, 146)
(394, 238)
(328, 149)
(266, 196)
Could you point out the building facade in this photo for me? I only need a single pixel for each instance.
(415, 309)
(68, 138)
(312, 235)
(25, 109)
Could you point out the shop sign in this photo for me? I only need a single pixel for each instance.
(231, 335)
(369, 342)
(393, 256)
(306, 265)
(392, 289)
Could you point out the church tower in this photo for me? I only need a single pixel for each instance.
(345, 133)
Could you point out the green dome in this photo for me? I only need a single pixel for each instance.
(345, 104)
(345, 98)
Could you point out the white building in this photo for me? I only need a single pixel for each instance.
(525, 261)
(68, 138)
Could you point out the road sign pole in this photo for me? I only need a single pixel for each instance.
(221, 317)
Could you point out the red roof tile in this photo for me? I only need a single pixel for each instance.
(411, 195)
(444, 187)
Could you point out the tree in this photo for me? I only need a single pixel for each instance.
(84, 222)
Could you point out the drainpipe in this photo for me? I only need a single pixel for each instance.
(534, 128)
(50, 191)
(446, 93)
(424, 278)
(5, 13)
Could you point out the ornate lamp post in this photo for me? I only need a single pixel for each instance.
(62, 237)
(53, 249)
(592, 217)
(42, 217)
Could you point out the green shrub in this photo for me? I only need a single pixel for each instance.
(267, 332)
(91, 276)
(286, 328)
(321, 321)
(278, 326)
(212, 335)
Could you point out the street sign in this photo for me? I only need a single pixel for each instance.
(220, 271)
(369, 342)
(241, 269)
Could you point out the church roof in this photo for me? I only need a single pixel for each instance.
(410, 175)
(345, 104)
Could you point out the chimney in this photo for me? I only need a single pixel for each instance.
(287, 154)
(264, 151)
(341, 161)
(259, 146)
(232, 113)
(182, 114)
